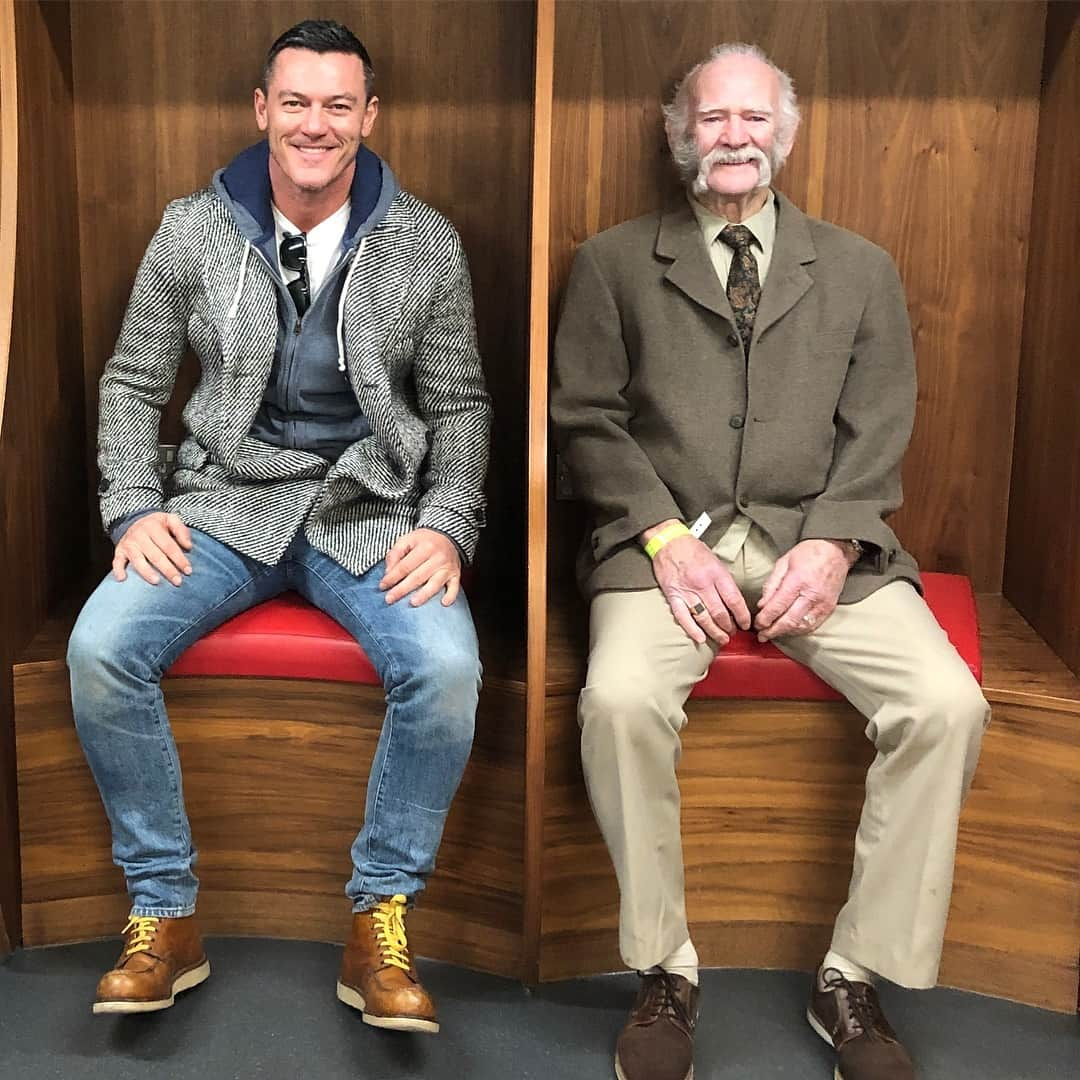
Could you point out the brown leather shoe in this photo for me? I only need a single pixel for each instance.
(657, 1042)
(848, 1016)
(378, 977)
(160, 958)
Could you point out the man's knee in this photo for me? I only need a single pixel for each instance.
(448, 674)
(626, 711)
(954, 713)
(94, 651)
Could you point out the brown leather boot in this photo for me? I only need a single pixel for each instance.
(160, 958)
(378, 977)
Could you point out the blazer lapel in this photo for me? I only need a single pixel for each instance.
(788, 280)
(376, 302)
(691, 271)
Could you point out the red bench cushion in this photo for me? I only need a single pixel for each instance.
(283, 638)
(747, 669)
(287, 638)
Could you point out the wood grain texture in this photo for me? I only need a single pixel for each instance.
(919, 129)
(771, 797)
(455, 131)
(1018, 667)
(42, 526)
(274, 779)
(1042, 567)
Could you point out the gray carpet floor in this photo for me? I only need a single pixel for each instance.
(269, 1011)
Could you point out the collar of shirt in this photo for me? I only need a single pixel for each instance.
(323, 243)
(762, 224)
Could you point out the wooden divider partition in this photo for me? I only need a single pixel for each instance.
(533, 126)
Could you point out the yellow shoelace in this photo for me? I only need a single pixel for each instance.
(143, 928)
(389, 918)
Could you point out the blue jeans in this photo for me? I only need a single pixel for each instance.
(130, 632)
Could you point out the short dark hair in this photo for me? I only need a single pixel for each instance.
(321, 36)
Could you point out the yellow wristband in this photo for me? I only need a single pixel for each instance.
(664, 536)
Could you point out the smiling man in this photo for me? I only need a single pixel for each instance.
(336, 444)
(734, 391)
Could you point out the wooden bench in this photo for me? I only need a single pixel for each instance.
(771, 795)
(276, 715)
(276, 736)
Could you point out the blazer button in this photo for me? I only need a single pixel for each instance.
(734, 339)
(736, 422)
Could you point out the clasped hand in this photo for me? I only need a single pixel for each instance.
(800, 593)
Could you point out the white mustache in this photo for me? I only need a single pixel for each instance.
(720, 156)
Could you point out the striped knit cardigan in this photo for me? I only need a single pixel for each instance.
(411, 357)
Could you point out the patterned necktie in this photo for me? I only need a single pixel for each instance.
(743, 287)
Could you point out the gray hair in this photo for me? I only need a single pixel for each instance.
(677, 119)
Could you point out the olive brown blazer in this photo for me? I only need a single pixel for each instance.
(658, 415)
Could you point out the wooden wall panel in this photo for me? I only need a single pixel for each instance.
(454, 83)
(919, 132)
(274, 779)
(43, 533)
(1042, 562)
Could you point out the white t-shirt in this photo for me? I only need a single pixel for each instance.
(323, 244)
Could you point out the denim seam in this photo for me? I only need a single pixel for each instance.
(171, 764)
(388, 720)
(210, 611)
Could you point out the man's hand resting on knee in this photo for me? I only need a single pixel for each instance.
(802, 590)
(426, 561)
(699, 588)
(153, 546)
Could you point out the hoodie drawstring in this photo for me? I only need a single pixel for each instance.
(341, 305)
(240, 281)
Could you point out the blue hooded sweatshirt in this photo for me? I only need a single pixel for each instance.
(309, 403)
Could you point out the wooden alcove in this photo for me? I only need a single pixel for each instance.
(929, 128)
(942, 130)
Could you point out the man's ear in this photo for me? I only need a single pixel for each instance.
(260, 109)
(371, 111)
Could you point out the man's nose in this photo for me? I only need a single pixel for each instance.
(734, 133)
(314, 121)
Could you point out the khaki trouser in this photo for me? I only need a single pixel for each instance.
(925, 715)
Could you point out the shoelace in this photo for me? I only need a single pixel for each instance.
(661, 996)
(389, 919)
(863, 1004)
(142, 929)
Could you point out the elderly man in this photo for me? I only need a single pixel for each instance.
(734, 391)
(336, 445)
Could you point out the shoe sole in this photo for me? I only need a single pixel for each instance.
(350, 997)
(620, 1075)
(182, 982)
(817, 1025)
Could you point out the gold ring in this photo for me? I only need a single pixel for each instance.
(698, 609)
